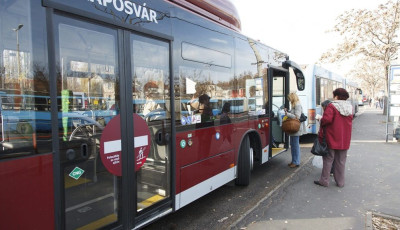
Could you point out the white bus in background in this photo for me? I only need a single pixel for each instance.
(320, 85)
(355, 93)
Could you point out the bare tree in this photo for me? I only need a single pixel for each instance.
(370, 34)
(371, 73)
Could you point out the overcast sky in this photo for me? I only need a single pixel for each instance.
(298, 28)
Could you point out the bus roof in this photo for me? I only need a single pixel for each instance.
(220, 11)
(324, 73)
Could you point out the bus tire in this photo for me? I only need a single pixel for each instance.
(244, 163)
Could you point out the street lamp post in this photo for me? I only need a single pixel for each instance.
(18, 58)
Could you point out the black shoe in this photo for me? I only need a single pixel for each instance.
(317, 183)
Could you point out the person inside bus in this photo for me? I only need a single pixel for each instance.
(295, 112)
(337, 124)
(226, 108)
(151, 92)
(203, 107)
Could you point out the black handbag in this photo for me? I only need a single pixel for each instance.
(303, 117)
(320, 148)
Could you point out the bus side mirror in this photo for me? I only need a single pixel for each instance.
(300, 81)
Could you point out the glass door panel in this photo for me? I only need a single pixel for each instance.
(151, 101)
(88, 98)
(278, 103)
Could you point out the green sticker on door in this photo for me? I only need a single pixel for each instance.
(76, 173)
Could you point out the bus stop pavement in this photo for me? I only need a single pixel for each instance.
(371, 188)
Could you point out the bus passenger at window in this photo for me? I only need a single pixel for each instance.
(203, 107)
(151, 92)
(226, 108)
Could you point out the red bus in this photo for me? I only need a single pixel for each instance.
(179, 104)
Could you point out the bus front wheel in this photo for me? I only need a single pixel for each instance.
(245, 163)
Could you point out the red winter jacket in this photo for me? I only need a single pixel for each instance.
(336, 123)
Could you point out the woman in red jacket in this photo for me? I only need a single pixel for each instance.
(336, 123)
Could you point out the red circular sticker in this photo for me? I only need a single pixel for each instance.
(110, 144)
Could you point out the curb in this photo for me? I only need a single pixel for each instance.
(369, 225)
(368, 221)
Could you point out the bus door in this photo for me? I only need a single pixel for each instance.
(114, 160)
(279, 89)
(151, 88)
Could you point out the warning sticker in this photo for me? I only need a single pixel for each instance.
(111, 146)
